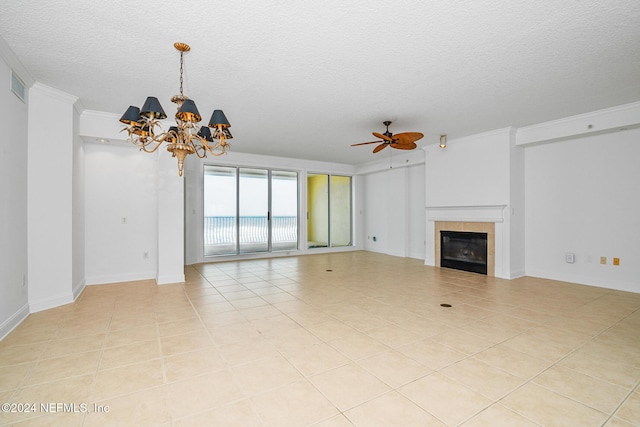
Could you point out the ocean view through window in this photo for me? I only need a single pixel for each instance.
(249, 210)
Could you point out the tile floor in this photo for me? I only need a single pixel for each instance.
(342, 339)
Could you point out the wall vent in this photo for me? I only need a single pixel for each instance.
(17, 86)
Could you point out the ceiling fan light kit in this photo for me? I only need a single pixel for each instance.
(400, 141)
(183, 139)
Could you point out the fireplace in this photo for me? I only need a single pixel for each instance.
(464, 250)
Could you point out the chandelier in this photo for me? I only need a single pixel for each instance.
(145, 131)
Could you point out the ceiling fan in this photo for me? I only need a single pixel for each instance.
(401, 141)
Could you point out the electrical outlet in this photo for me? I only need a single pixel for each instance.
(570, 257)
(603, 260)
(145, 255)
(616, 261)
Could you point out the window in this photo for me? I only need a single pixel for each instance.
(328, 211)
(249, 210)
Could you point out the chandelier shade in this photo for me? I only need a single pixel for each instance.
(132, 115)
(188, 112)
(152, 109)
(185, 137)
(218, 119)
(205, 133)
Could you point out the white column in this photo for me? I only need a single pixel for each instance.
(170, 220)
(50, 197)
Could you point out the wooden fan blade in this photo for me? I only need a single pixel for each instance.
(381, 136)
(407, 137)
(364, 143)
(380, 147)
(409, 146)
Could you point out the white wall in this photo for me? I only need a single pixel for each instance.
(50, 198)
(121, 203)
(583, 196)
(13, 208)
(471, 171)
(394, 197)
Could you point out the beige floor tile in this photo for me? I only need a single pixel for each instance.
(131, 335)
(143, 408)
(336, 421)
(11, 377)
(265, 374)
(239, 414)
(447, 400)
(358, 346)
(131, 353)
(56, 419)
(425, 328)
(81, 344)
(191, 364)
(498, 416)
(213, 320)
(179, 353)
(16, 354)
(247, 350)
(315, 358)
(296, 404)
(462, 341)
(512, 361)
(432, 354)
(394, 368)
(617, 422)
(127, 379)
(198, 394)
(31, 334)
(348, 386)
(234, 332)
(185, 343)
(274, 324)
(630, 409)
(551, 409)
(588, 390)
(293, 339)
(330, 330)
(74, 390)
(483, 378)
(182, 326)
(393, 336)
(62, 367)
(391, 409)
(260, 312)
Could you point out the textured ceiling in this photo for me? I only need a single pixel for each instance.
(306, 79)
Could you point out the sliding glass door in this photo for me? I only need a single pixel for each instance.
(328, 211)
(249, 210)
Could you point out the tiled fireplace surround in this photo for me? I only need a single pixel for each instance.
(482, 219)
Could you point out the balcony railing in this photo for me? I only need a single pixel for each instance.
(221, 230)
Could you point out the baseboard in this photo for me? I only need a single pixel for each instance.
(78, 288)
(51, 302)
(169, 279)
(12, 322)
(601, 282)
(119, 278)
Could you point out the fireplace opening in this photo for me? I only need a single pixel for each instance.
(463, 250)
